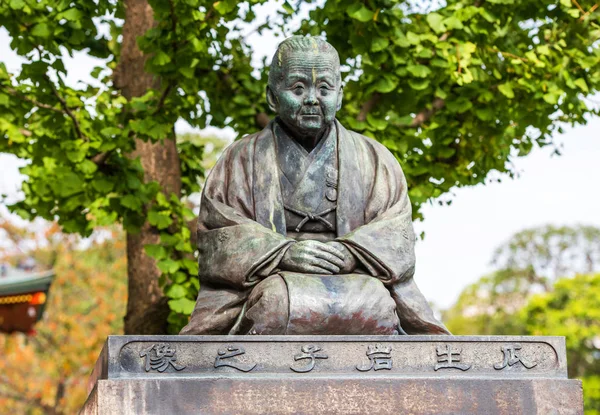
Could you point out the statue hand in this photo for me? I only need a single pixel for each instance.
(312, 257)
(350, 262)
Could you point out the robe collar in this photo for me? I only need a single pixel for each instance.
(266, 189)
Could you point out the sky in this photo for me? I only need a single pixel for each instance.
(460, 238)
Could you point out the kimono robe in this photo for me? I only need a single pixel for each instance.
(243, 234)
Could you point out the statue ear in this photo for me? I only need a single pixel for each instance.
(340, 97)
(271, 99)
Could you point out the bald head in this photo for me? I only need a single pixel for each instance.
(300, 51)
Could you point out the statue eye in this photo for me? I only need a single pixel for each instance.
(298, 89)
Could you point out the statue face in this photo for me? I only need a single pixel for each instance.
(309, 94)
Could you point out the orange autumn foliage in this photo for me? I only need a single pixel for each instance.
(47, 373)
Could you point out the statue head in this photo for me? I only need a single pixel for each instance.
(305, 86)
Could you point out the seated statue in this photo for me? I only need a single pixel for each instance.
(305, 227)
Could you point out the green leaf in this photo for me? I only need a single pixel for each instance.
(379, 43)
(440, 93)
(386, 84)
(487, 15)
(17, 4)
(108, 132)
(359, 12)
(157, 252)
(88, 167)
(182, 305)
(436, 22)
(460, 105)
(188, 72)
(225, 6)
(419, 71)
(40, 30)
(413, 38)
(102, 185)
(484, 114)
(552, 97)
(288, 8)
(453, 23)
(159, 219)
(131, 202)
(161, 58)
(418, 84)
(71, 14)
(69, 184)
(191, 266)
(582, 85)
(176, 291)
(377, 123)
(507, 90)
(168, 266)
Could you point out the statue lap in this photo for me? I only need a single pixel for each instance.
(294, 303)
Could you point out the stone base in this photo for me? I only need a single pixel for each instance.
(333, 375)
(336, 396)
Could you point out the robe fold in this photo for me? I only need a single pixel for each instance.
(242, 232)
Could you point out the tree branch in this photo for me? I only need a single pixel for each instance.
(586, 14)
(60, 391)
(66, 108)
(510, 55)
(368, 106)
(578, 6)
(163, 97)
(38, 104)
(445, 36)
(426, 114)
(100, 158)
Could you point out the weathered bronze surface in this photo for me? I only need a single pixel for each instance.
(333, 375)
(305, 227)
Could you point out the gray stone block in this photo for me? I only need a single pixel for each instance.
(333, 374)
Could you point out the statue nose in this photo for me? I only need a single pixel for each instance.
(311, 98)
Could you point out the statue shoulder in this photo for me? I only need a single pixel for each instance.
(244, 147)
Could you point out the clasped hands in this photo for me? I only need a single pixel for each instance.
(314, 257)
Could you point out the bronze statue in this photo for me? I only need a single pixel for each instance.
(305, 227)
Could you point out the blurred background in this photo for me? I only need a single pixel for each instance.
(510, 249)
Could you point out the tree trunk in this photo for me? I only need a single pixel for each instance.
(147, 308)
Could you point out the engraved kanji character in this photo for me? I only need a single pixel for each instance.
(511, 358)
(449, 358)
(229, 352)
(161, 359)
(379, 358)
(308, 352)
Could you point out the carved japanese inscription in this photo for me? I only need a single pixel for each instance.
(159, 357)
(308, 352)
(380, 357)
(230, 352)
(512, 357)
(449, 358)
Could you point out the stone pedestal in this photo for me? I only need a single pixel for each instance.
(333, 375)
